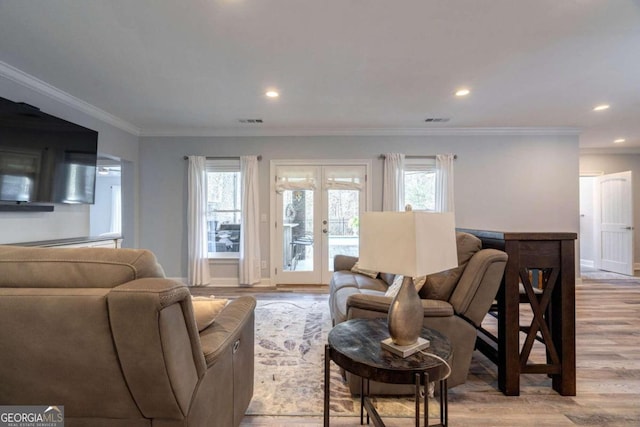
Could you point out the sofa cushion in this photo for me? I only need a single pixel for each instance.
(370, 273)
(393, 290)
(341, 279)
(440, 285)
(345, 284)
(206, 309)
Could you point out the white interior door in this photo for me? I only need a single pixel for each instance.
(317, 215)
(615, 223)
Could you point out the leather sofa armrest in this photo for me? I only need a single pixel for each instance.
(372, 306)
(344, 262)
(227, 327)
(156, 339)
(371, 303)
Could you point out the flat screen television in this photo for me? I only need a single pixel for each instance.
(45, 159)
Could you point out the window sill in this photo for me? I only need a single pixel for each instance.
(223, 256)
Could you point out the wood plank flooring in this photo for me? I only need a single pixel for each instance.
(608, 369)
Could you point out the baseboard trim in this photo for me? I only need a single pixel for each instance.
(587, 263)
(228, 282)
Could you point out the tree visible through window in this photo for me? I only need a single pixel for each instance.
(420, 184)
(224, 207)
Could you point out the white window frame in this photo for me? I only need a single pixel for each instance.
(224, 165)
(422, 164)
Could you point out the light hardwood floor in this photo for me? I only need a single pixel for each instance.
(608, 371)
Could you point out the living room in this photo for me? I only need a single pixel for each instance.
(519, 156)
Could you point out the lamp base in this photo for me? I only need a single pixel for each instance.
(404, 350)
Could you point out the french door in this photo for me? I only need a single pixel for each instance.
(317, 211)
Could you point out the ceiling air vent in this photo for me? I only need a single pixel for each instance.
(251, 121)
(436, 120)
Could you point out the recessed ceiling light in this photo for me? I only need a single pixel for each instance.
(601, 107)
(463, 92)
(272, 94)
(619, 140)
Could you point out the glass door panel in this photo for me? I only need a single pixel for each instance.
(298, 230)
(342, 226)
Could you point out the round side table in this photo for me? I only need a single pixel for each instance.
(354, 345)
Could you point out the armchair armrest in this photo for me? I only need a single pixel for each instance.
(344, 262)
(374, 306)
(226, 328)
(157, 343)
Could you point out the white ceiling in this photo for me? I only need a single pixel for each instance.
(342, 66)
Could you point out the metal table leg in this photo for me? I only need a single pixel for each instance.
(327, 369)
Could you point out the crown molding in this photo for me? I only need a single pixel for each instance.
(31, 82)
(452, 131)
(610, 150)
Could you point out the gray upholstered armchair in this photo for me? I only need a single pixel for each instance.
(102, 332)
(454, 302)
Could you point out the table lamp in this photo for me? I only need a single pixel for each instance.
(411, 244)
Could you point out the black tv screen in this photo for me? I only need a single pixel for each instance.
(43, 158)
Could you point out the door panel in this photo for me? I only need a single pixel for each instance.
(297, 227)
(341, 229)
(615, 222)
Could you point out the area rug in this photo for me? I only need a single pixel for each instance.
(289, 365)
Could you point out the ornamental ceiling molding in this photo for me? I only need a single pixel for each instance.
(451, 131)
(31, 82)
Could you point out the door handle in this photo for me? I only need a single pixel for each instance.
(627, 228)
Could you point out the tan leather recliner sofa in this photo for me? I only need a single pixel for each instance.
(103, 333)
(454, 302)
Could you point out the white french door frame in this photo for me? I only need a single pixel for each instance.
(274, 250)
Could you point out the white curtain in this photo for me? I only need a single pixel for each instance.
(249, 266)
(116, 209)
(444, 182)
(198, 274)
(393, 184)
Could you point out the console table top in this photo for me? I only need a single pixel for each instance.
(520, 235)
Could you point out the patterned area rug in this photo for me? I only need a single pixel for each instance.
(289, 365)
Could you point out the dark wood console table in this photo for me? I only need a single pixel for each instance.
(551, 257)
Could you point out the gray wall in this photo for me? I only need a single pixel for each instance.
(67, 220)
(612, 163)
(516, 183)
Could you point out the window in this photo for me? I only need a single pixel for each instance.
(224, 208)
(420, 184)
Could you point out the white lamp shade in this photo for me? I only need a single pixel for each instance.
(408, 243)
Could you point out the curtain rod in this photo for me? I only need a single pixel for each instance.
(384, 156)
(223, 157)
